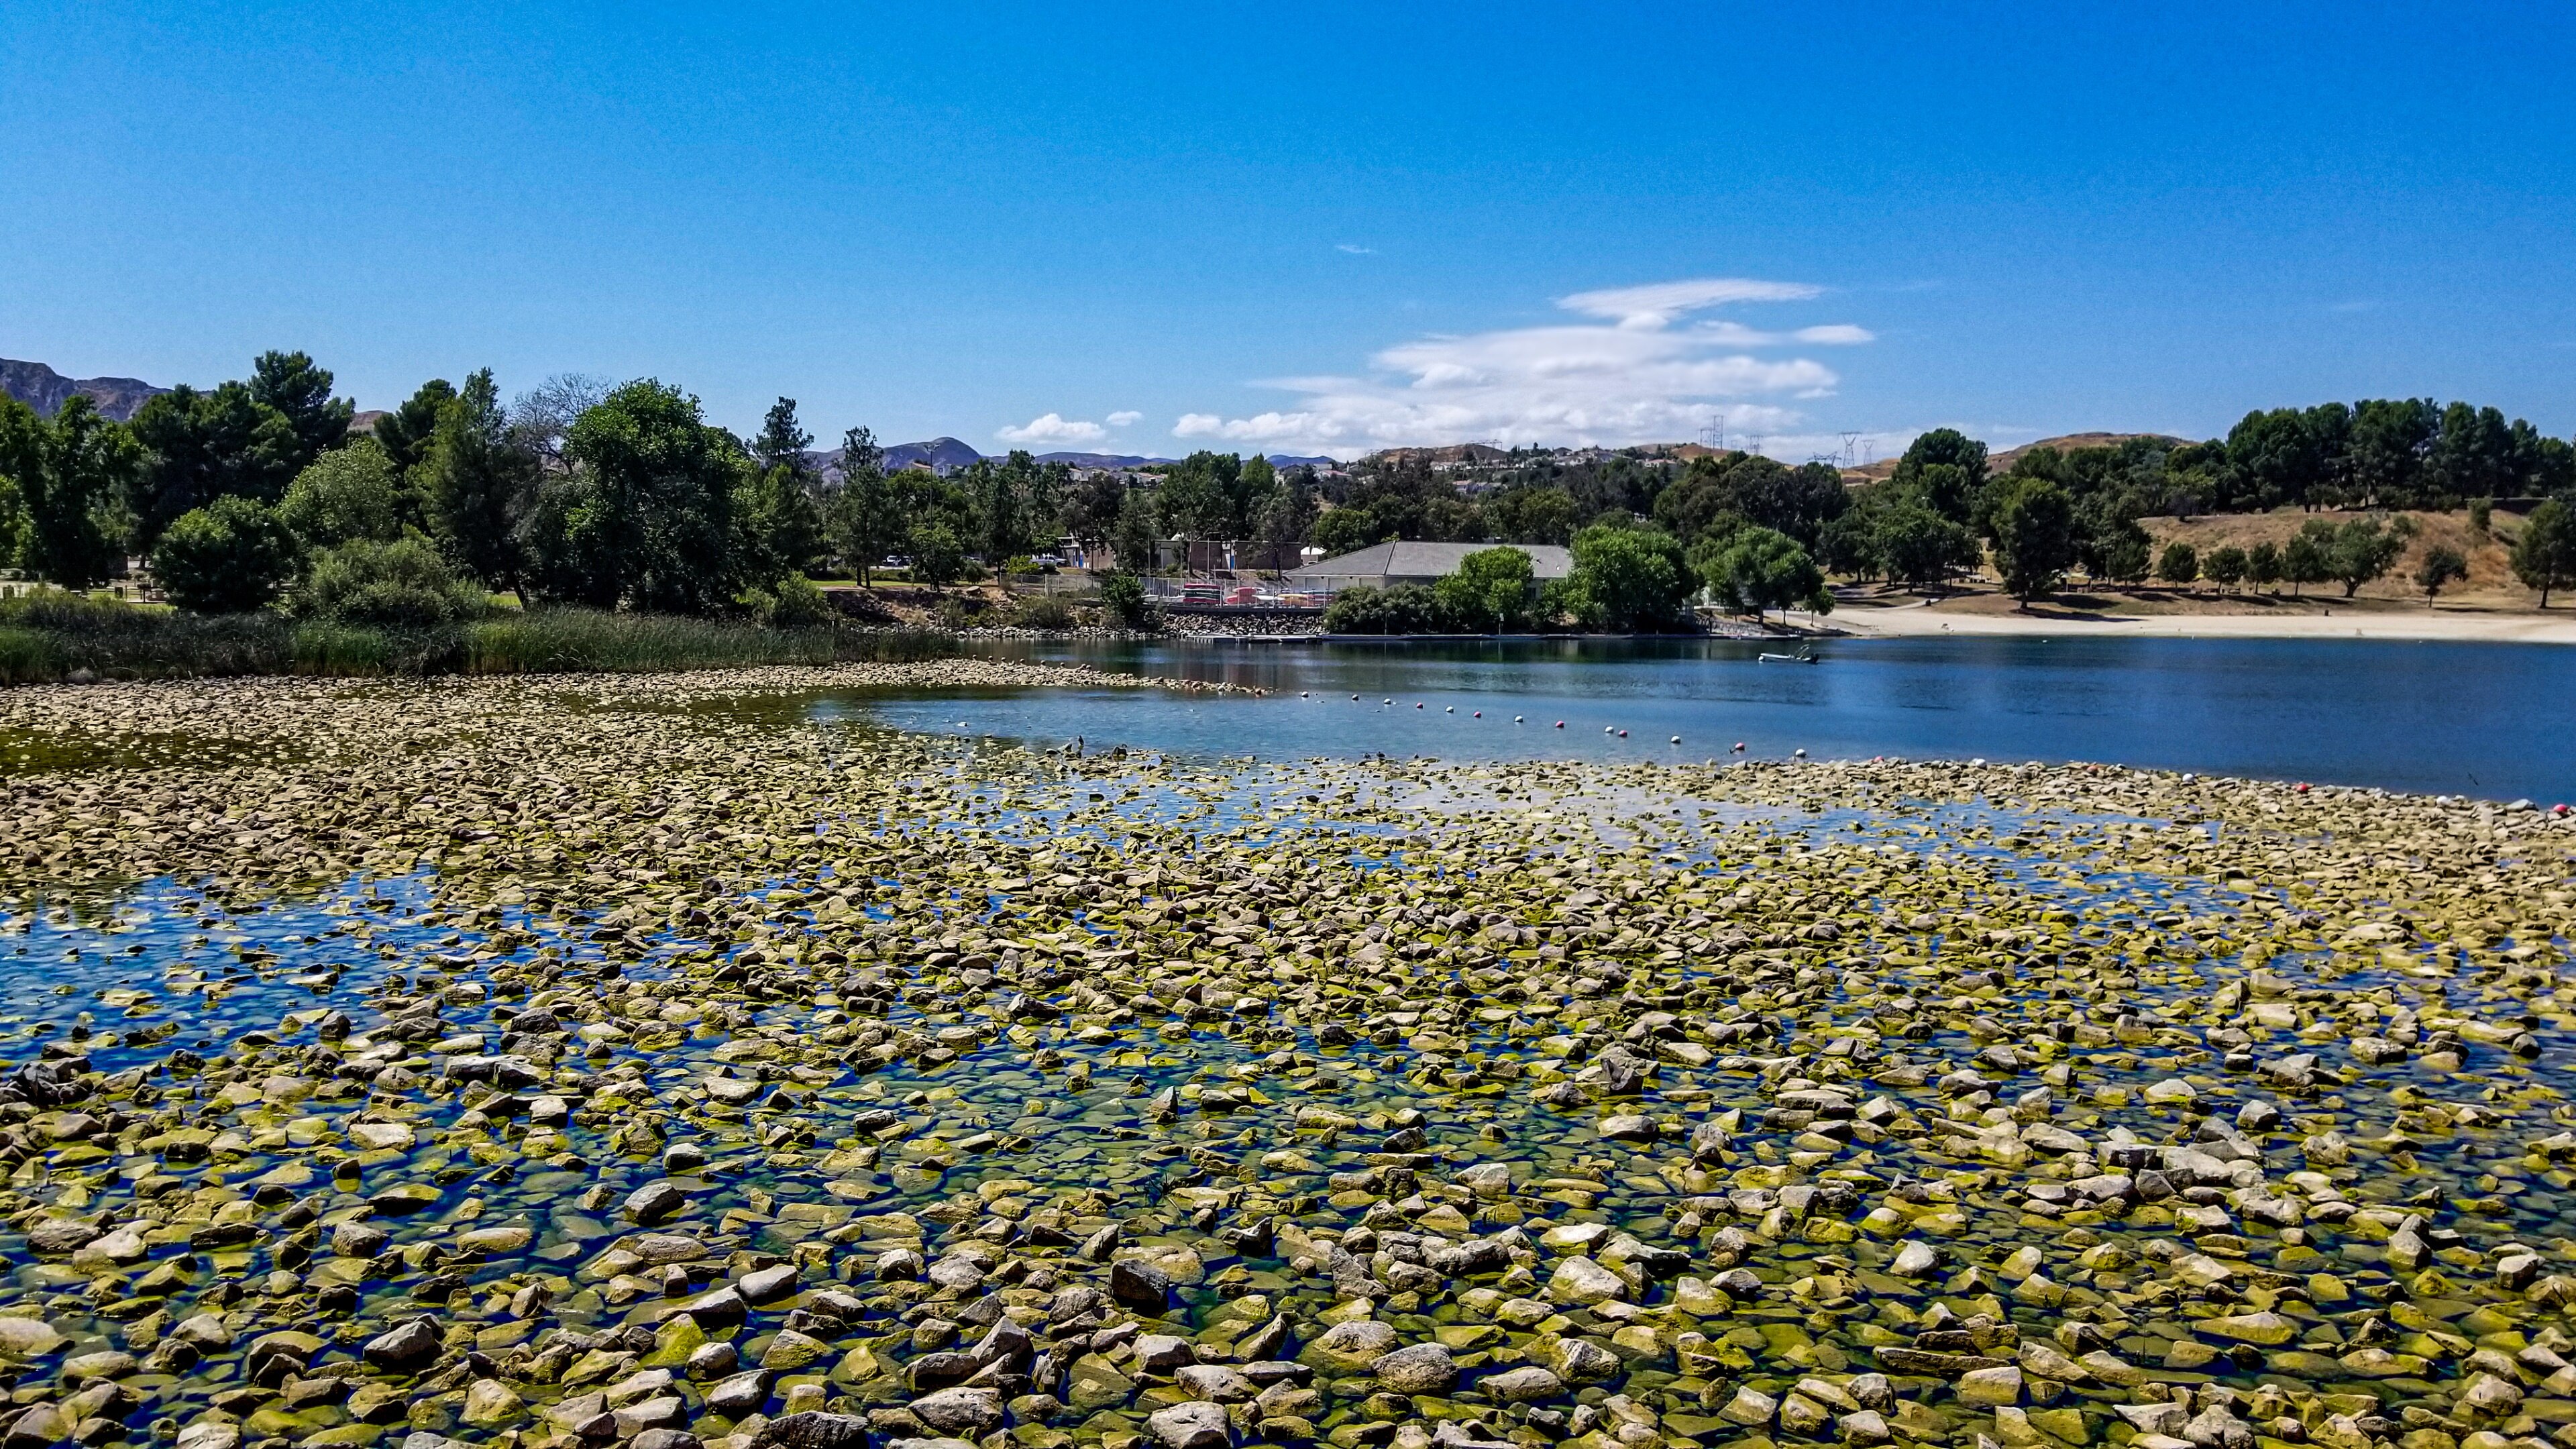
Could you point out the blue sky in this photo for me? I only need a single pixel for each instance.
(1315, 228)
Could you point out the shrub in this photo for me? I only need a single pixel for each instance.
(1122, 594)
(793, 603)
(401, 585)
(2441, 565)
(348, 493)
(1404, 609)
(2227, 566)
(230, 557)
(1042, 611)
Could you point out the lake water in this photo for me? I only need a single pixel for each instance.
(2484, 720)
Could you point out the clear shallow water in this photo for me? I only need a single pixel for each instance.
(2491, 721)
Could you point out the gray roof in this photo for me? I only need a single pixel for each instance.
(1430, 561)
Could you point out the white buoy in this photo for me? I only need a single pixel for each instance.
(1516, 719)
(1798, 754)
(1677, 739)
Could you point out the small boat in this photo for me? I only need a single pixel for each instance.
(1801, 657)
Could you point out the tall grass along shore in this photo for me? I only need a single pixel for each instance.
(46, 640)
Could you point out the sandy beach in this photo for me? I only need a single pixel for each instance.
(1910, 620)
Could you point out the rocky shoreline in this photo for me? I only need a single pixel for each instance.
(597, 1061)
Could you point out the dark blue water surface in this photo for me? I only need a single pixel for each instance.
(2491, 720)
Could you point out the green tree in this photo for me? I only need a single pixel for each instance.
(1283, 518)
(1196, 498)
(69, 473)
(1760, 568)
(2226, 566)
(2309, 557)
(782, 442)
(246, 439)
(1537, 514)
(646, 518)
(867, 518)
(13, 521)
(1092, 509)
(2034, 525)
(2473, 456)
(938, 559)
(1134, 537)
(1345, 530)
(2179, 564)
(1947, 493)
(2263, 565)
(299, 391)
(2112, 544)
(479, 482)
(2544, 556)
(2363, 551)
(1629, 579)
(404, 433)
(404, 584)
(345, 494)
(230, 557)
(1915, 545)
(782, 526)
(2440, 565)
(1491, 592)
(2392, 444)
(1122, 596)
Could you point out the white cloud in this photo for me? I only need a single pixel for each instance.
(1125, 418)
(1658, 303)
(1357, 251)
(1634, 376)
(1054, 428)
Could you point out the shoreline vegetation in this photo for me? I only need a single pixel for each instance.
(56, 639)
(542, 1062)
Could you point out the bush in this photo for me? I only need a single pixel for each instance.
(1042, 611)
(2441, 565)
(230, 557)
(794, 603)
(1122, 594)
(348, 493)
(402, 585)
(2227, 566)
(2179, 564)
(1404, 609)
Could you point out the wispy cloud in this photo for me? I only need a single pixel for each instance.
(1053, 428)
(1658, 303)
(1355, 249)
(1125, 418)
(1646, 375)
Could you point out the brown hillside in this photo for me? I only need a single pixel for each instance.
(2490, 583)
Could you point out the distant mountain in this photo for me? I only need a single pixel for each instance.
(1099, 460)
(45, 390)
(945, 455)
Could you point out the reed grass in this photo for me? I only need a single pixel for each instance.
(52, 638)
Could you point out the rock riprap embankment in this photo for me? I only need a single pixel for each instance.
(639, 1062)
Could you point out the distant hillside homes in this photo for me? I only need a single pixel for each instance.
(45, 390)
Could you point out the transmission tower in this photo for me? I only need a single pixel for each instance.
(1851, 450)
(1713, 437)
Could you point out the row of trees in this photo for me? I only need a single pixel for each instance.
(579, 492)
(1627, 577)
(627, 496)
